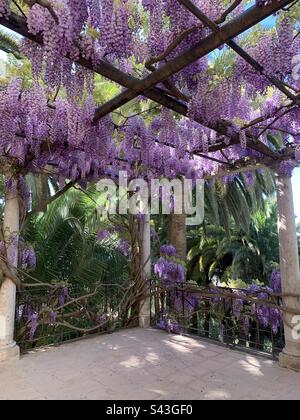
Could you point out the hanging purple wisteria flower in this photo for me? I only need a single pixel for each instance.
(276, 281)
(27, 259)
(124, 247)
(64, 296)
(102, 318)
(102, 235)
(34, 323)
(168, 250)
(238, 305)
(246, 325)
(154, 235)
(53, 317)
(170, 272)
(20, 312)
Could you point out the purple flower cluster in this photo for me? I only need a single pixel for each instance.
(34, 323)
(276, 281)
(266, 316)
(170, 272)
(102, 319)
(124, 247)
(168, 250)
(103, 234)
(66, 38)
(64, 296)
(154, 235)
(4, 8)
(27, 258)
(169, 325)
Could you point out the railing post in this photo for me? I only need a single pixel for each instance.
(8, 347)
(145, 307)
(289, 267)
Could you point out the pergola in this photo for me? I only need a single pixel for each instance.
(222, 32)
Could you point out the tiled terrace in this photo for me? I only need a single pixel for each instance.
(141, 364)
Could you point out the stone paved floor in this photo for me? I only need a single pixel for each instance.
(145, 364)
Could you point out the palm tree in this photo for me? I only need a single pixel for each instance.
(65, 241)
(246, 256)
(226, 204)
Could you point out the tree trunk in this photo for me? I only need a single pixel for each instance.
(177, 234)
(42, 190)
(8, 347)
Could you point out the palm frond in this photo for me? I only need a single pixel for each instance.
(9, 43)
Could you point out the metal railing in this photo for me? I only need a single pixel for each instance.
(233, 321)
(53, 315)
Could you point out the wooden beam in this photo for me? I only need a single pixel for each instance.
(189, 5)
(245, 21)
(235, 27)
(146, 86)
(250, 165)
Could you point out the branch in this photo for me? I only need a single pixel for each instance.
(269, 126)
(172, 46)
(19, 8)
(51, 199)
(188, 4)
(171, 89)
(265, 117)
(230, 9)
(250, 165)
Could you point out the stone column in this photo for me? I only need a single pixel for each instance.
(289, 267)
(144, 315)
(8, 347)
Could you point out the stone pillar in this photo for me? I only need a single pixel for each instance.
(144, 315)
(289, 267)
(8, 348)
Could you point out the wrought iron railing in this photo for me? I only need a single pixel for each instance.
(55, 314)
(233, 317)
(51, 315)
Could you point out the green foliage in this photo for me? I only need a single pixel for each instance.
(67, 249)
(242, 256)
(9, 43)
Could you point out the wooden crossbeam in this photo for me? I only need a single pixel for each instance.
(250, 165)
(189, 5)
(146, 86)
(235, 27)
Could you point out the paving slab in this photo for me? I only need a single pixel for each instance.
(141, 364)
